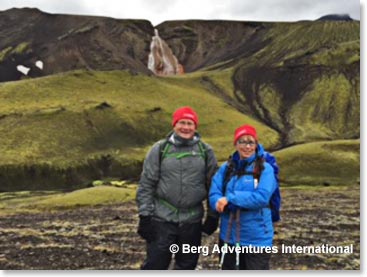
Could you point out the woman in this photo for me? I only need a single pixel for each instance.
(242, 198)
(171, 191)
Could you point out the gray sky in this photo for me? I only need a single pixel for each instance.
(158, 11)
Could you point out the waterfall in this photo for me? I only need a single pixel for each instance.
(161, 59)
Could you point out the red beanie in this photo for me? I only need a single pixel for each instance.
(185, 113)
(244, 130)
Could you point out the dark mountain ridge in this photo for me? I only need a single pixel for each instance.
(336, 17)
(69, 42)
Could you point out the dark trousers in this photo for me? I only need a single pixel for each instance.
(248, 261)
(158, 252)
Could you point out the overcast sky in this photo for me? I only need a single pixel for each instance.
(158, 11)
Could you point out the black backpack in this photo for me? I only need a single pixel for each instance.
(165, 146)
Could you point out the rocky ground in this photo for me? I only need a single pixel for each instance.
(105, 237)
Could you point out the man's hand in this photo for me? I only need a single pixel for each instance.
(210, 225)
(146, 229)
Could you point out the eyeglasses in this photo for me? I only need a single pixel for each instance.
(246, 142)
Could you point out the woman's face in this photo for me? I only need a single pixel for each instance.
(246, 146)
(185, 128)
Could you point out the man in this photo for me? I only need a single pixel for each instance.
(171, 190)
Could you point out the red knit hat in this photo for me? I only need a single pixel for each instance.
(244, 130)
(185, 113)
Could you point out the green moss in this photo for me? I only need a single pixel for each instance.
(85, 29)
(330, 110)
(25, 201)
(224, 79)
(139, 113)
(23, 195)
(87, 197)
(4, 53)
(271, 100)
(297, 40)
(338, 55)
(97, 183)
(320, 163)
(67, 124)
(21, 48)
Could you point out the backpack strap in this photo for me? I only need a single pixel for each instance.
(258, 168)
(230, 171)
(163, 149)
(203, 151)
(165, 146)
(228, 174)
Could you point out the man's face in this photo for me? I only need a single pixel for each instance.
(185, 128)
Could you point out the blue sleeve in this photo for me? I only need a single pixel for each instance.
(258, 198)
(216, 187)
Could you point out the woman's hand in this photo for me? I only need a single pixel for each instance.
(221, 203)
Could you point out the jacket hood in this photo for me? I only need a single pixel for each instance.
(175, 139)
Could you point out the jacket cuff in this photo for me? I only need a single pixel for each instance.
(230, 198)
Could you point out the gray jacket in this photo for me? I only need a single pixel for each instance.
(172, 188)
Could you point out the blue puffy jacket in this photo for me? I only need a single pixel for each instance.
(256, 226)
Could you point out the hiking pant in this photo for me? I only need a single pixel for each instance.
(248, 261)
(168, 233)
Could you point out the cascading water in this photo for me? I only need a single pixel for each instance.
(161, 59)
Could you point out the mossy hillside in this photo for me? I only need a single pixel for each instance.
(346, 52)
(216, 124)
(320, 163)
(109, 108)
(272, 101)
(19, 49)
(256, 43)
(100, 123)
(294, 41)
(267, 104)
(221, 77)
(308, 68)
(323, 107)
(87, 197)
(26, 201)
(330, 110)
